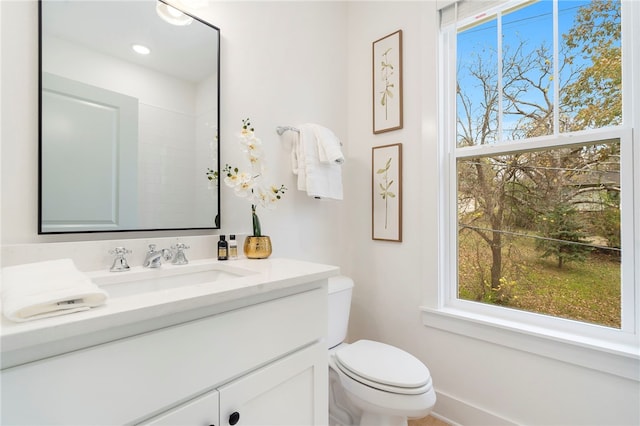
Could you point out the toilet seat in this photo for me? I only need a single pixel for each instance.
(383, 367)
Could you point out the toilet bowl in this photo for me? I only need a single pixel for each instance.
(371, 383)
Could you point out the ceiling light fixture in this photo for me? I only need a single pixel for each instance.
(172, 15)
(139, 48)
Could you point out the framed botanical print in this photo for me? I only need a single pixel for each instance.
(386, 192)
(387, 83)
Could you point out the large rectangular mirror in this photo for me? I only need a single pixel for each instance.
(129, 113)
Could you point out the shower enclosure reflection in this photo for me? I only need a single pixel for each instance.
(126, 139)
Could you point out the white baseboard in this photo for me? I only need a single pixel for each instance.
(457, 413)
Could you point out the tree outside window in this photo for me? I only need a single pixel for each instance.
(539, 222)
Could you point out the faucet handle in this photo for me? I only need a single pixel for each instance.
(180, 258)
(120, 251)
(119, 263)
(180, 246)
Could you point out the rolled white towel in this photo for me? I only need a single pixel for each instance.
(45, 289)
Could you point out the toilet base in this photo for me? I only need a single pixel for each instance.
(346, 409)
(341, 411)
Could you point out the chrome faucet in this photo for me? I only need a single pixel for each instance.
(153, 258)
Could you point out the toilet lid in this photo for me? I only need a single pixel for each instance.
(381, 364)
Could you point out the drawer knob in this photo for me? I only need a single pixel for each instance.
(234, 418)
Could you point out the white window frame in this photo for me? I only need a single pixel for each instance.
(615, 351)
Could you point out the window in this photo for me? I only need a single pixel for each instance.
(537, 152)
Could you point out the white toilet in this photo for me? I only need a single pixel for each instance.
(371, 383)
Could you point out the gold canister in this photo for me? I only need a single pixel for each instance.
(257, 247)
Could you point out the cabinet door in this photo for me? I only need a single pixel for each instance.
(291, 391)
(200, 411)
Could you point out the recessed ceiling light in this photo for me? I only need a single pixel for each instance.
(172, 15)
(143, 50)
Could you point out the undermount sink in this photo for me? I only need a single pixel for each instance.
(139, 280)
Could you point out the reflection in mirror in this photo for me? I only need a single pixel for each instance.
(127, 136)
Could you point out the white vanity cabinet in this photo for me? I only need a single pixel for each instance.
(282, 393)
(267, 362)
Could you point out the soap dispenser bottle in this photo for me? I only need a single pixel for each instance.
(223, 248)
(233, 247)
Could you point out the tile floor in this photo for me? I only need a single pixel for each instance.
(427, 421)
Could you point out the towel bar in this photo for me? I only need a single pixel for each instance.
(282, 129)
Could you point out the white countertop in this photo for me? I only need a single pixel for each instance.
(129, 315)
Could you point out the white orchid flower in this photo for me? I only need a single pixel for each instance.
(249, 185)
(232, 181)
(244, 185)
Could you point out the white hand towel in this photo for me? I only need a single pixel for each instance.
(321, 180)
(46, 289)
(329, 150)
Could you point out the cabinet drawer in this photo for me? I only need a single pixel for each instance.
(133, 378)
(204, 410)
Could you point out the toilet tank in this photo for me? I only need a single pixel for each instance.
(340, 289)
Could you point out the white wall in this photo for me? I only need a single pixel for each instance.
(285, 63)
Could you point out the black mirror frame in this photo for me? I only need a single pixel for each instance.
(40, 160)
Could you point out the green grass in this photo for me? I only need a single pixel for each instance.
(586, 291)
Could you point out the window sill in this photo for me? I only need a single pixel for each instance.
(616, 359)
